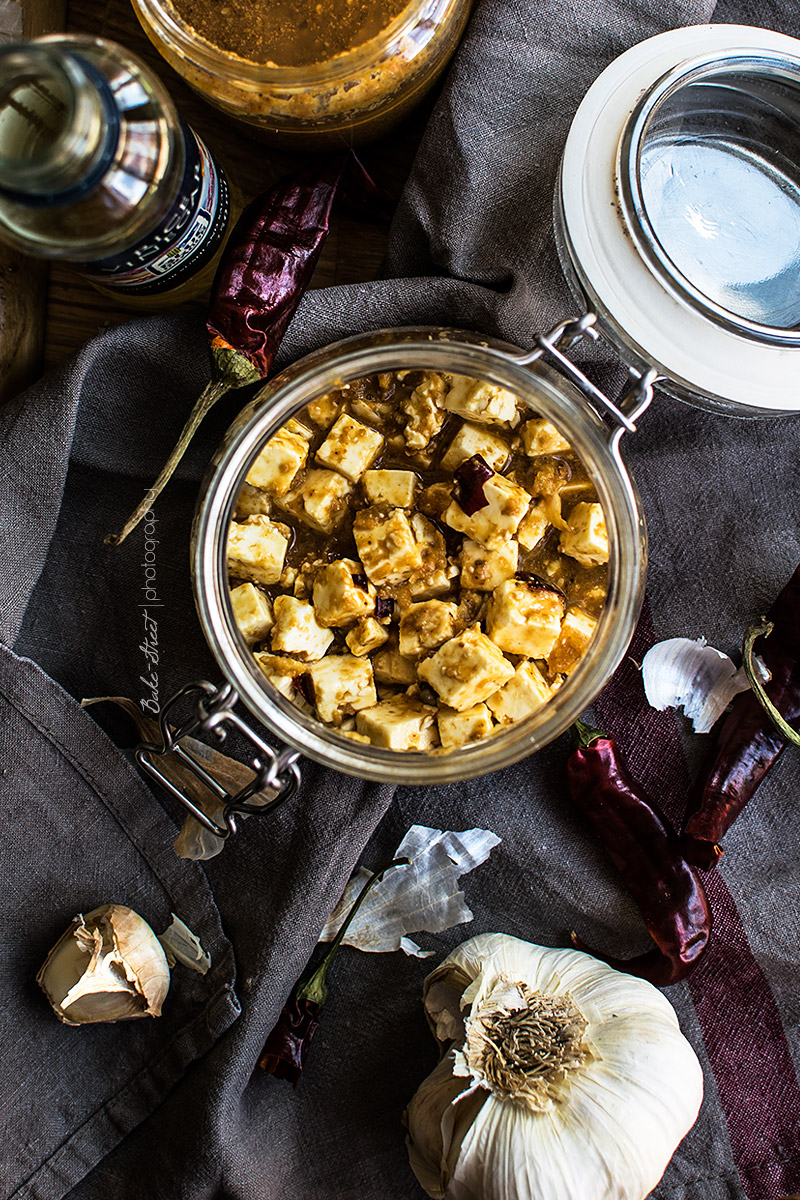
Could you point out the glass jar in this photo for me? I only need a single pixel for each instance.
(438, 350)
(349, 98)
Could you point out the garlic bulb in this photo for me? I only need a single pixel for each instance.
(108, 966)
(562, 1079)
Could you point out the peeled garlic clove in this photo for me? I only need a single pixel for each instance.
(108, 966)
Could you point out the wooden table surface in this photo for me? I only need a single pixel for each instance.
(75, 312)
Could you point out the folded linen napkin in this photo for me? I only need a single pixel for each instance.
(173, 1108)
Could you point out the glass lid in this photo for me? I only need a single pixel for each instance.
(678, 213)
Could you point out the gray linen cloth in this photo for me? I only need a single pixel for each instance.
(173, 1108)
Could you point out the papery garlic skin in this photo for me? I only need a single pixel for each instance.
(604, 1128)
(108, 966)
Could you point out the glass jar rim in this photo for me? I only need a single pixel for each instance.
(775, 64)
(206, 55)
(354, 358)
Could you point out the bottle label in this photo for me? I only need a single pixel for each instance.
(183, 242)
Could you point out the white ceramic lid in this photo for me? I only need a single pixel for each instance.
(718, 356)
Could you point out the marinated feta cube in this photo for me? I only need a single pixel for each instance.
(395, 488)
(425, 626)
(527, 691)
(586, 539)
(401, 723)
(386, 545)
(252, 502)
(366, 636)
(497, 522)
(324, 411)
(542, 437)
(525, 618)
(436, 574)
(484, 570)
(252, 612)
(278, 463)
(257, 548)
(297, 631)
(343, 684)
(474, 439)
(484, 403)
(533, 526)
(461, 728)
(425, 411)
(341, 593)
(465, 670)
(285, 674)
(350, 448)
(390, 667)
(576, 633)
(320, 500)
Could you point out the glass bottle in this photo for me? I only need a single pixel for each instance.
(98, 170)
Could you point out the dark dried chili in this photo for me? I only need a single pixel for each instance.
(746, 743)
(265, 268)
(285, 1050)
(644, 848)
(470, 477)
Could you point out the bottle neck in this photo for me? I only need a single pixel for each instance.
(59, 125)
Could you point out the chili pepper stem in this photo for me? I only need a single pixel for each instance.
(206, 400)
(764, 628)
(584, 735)
(314, 988)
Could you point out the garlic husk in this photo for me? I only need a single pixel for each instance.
(108, 966)
(182, 946)
(681, 673)
(599, 1105)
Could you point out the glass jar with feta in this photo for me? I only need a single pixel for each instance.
(418, 558)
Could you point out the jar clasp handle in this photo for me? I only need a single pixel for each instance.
(567, 334)
(275, 772)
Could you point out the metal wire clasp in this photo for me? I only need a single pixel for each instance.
(563, 337)
(274, 772)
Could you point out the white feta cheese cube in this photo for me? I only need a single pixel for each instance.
(320, 500)
(350, 448)
(324, 410)
(425, 626)
(466, 669)
(497, 522)
(278, 463)
(386, 545)
(462, 728)
(390, 667)
(573, 641)
(343, 685)
(395, 488)
(533, 526)
(297, 631)
(483, 570)
(252, 502)
(474, 439)
(542, 437)
(252, 612)
(285, 674)
(425, 411)
(525, 618)
(436, 574)
(341, 593)
(527, 691)
(366, 636)
(586, 539)
(484, 403)
(257, 548)
(401, 723)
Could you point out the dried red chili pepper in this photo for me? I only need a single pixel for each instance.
(265, 268)
(644, 848)
(285, 1050)
(747, 743)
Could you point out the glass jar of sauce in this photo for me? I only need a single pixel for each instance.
(308, 73)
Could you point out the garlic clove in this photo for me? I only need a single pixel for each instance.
(107, 966)
(681, 673)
